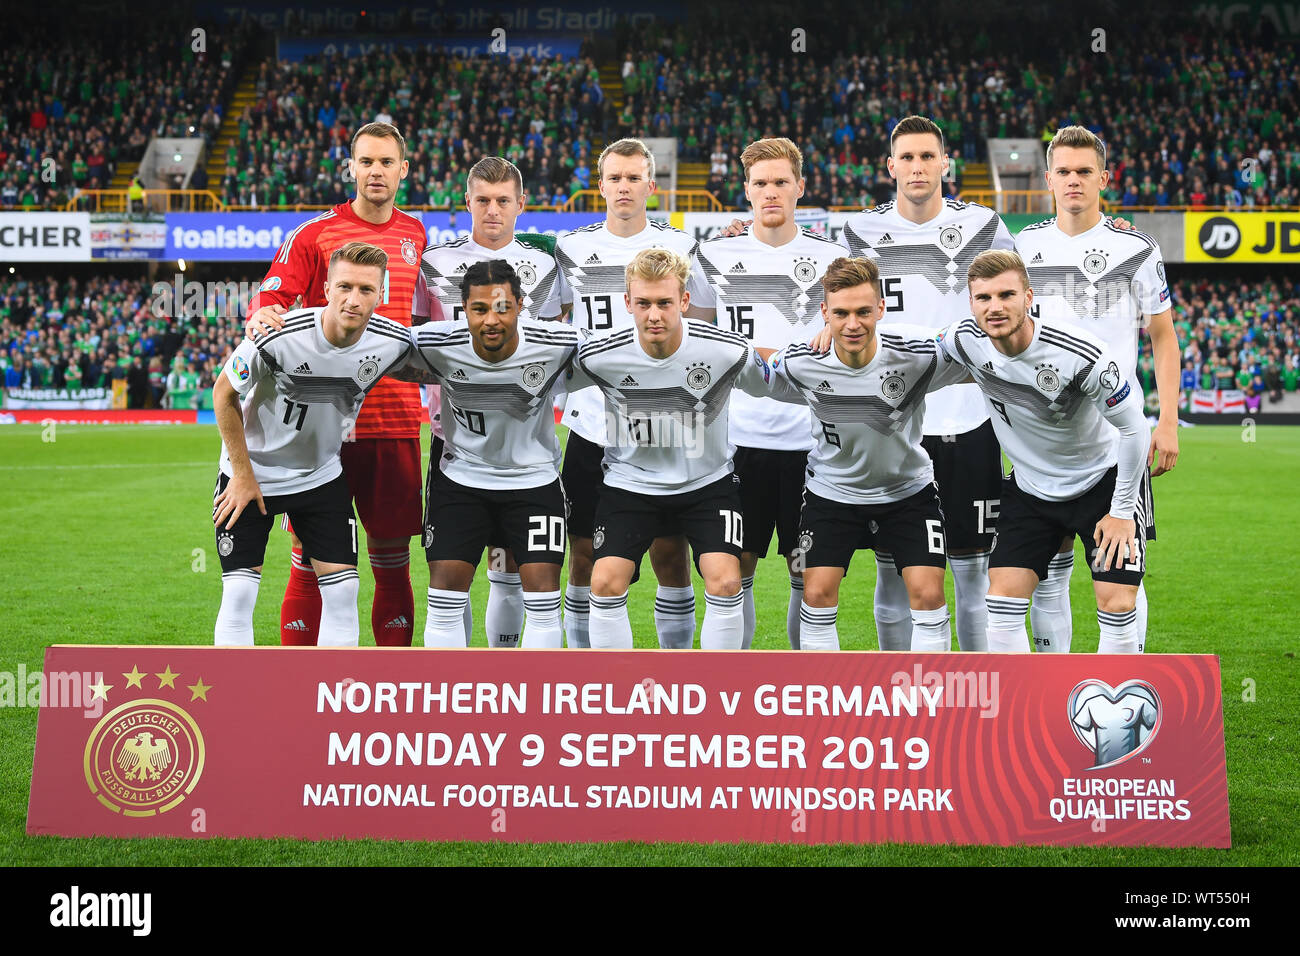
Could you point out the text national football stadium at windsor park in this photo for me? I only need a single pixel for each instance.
(857, 436)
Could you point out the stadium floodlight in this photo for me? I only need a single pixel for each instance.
(180, 263)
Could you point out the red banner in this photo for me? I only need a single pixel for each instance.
(90, 416)
(641, 745)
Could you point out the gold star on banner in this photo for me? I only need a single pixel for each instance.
(133, 677)
(200, 690)
(167, 678)
(100, 690)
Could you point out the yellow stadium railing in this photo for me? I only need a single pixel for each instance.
(155, 200)
(683, 200)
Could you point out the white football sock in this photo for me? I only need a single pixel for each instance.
(675, 616)
(724, 622)
(970, 583)
(931, 631)
(542, 624)
(893, 609)
(577, 616)
(793, 611)
(339, 625)
(235, 618)
(749, 619)
(1050, 613)
(445, 625)
(1118, 633)
(817, 631)
(1006, 633)
(610, 626)
(1141, 609)
(469, 619)
(505, 609)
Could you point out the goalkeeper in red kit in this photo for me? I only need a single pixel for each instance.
(381, 459)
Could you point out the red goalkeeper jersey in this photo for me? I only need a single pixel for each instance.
(392, 409)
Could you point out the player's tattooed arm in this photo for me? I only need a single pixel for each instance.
(242, 489)
(414, 371)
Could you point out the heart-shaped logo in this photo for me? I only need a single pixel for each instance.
(1114, 723)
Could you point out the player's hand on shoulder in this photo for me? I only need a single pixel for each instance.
(821, 342)
(736, 227)
(1116, 540)
(265, 320)
(238, 494)
(1122, 224)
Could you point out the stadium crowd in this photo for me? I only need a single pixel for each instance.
(78, 98)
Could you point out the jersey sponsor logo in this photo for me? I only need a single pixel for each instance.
(987, 367)
(804, 270)
(893, 386)
(1115, 724)
(737, 270)
(534, 375)
(592, 260)
(368, 370)
(1118, 396)
(1110, 377)
(409, 255)
(303, 369)
(697, 376)
(270, 285)
(241, 368)
(459, 375)
(885, 240)
(950, 237)
(225, 544)
(824, 386)
(1038, 257)
(1094, 262)
(628, 381)
(1048, 378)
(460, 269)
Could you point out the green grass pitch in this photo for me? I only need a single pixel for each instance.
(99, 531)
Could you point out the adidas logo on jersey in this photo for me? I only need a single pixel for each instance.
(825, 386)
(592, 260)
(987, 366)
(1037, 258)
(459, 375)
(628, 380)
(737, 270)
(303, 369)
(298, 625)
(463, 267)
(885, 239)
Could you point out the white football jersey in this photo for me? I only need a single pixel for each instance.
(868, 420)
(923, 270)
(592, 261)
(498, 417)
(1049, 405)
(1103, 281)
(301, 396)
(772, 295)
(666, 419)
(443, 266)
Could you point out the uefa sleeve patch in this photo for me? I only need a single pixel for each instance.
(241, 368)
(270, 285)
(1118, 396)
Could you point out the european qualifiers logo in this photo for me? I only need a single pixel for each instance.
(146, 755)
(1115, 724)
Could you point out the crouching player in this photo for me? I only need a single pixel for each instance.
(668, 470)
(283, 404)
(1051, 389)
(870, 483)
(497, 478)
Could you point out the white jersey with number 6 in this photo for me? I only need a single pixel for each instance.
(301, 396)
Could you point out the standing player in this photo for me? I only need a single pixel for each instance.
(1110, 282)
(870, 483)
(766, 284)
(300, 387)
(1050, 389)
(594, 259)
(496, 477)
(381, 455)
(923, 244)
(668, 468)
(495, 198)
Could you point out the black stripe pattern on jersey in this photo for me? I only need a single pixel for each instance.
(798, 303)
(1053, 409)
(875, 411)
(942, 268)
(1089, 296)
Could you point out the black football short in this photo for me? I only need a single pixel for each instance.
(912, 530)
(771, 495)
(459, 522)
(1030, 530)
(710, 517)
(584, 481)
(322, 519)
(968, 471)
